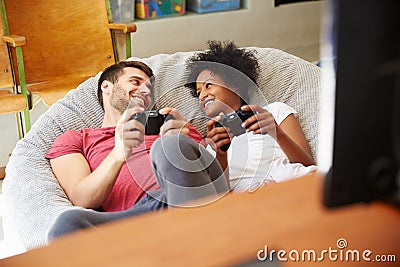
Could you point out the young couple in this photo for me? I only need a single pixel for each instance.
(117, 171)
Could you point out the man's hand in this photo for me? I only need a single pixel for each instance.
(176, 125)
(128, 134)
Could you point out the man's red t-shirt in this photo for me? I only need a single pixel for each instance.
(136, 175)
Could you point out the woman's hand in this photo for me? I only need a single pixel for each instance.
(217, 137)
(261, 123)
(288, 134)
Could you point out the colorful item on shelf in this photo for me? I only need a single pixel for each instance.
(205, 6)
(147, 9)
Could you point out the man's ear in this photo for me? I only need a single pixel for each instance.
(107, 86)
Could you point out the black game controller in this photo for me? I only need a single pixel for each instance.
(152, 119)
(234, 121)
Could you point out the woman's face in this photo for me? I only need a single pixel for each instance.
(214, 95)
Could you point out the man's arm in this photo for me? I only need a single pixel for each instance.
(84, 188)
(90, 189)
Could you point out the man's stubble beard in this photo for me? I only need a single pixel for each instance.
(118, 99)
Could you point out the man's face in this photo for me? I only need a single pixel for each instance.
(214, 94)
(133, 88)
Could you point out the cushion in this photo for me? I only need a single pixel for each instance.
(33, 196)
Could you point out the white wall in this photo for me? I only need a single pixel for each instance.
(288, 27)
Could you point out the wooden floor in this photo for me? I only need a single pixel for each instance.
(2, 172)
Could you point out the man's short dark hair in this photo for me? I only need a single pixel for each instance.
(113, 72)
(217, 58)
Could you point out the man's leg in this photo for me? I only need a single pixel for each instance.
(186, 171)
(77, 219)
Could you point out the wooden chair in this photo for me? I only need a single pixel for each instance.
(66, 42)
(11, 101)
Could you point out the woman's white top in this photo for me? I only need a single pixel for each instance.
(256, 159)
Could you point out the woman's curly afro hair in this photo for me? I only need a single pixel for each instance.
(230, 63)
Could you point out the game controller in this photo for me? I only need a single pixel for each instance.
(152, 119)
(234, 121)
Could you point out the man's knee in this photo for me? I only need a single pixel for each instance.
(181, 152)
(175, 145)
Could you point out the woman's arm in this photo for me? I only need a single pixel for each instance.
(288, 134)
(217, 137)
(291, 139)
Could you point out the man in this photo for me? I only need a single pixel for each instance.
(108, 170)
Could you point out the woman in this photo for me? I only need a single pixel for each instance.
(274, 147)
